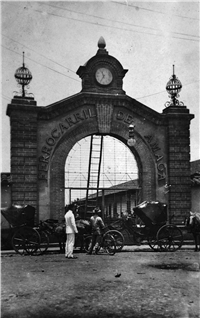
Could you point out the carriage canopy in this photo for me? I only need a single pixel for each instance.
(152, 213)
(18, 215)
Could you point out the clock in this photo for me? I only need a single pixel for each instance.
(104, 76)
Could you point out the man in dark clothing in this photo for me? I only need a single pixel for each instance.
(97, 226)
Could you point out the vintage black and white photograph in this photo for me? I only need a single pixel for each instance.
(100, 159)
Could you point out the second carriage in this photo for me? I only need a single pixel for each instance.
(153, 227)
(22, 236)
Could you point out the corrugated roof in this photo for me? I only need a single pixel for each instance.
(121, 187)
(129, 185)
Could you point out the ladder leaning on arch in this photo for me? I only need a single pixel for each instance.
(94, 170)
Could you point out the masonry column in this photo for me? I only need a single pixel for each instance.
(23, 123)
(178, 140)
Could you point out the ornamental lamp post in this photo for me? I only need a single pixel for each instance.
(131, 140)
(173, 88)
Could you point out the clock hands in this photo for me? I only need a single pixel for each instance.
(103, 76)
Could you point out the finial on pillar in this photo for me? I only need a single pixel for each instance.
(173, 88)
(23, 77)
(101, 46)
(101, 43)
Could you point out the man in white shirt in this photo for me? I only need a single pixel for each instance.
(71, 229)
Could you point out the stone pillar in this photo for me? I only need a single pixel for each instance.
(23, 124)
(178, 143)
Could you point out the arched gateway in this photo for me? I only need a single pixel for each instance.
(42, 137)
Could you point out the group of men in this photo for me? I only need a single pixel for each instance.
(97, 226)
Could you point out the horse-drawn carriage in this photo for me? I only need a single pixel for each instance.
(22, 236)
(155, 229)
(160, 235)
(25, 238)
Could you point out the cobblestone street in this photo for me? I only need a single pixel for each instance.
(151, 285)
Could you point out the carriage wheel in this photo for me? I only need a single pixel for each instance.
(44, 243)
(109, 244)
(170, 238)
(153, 243)
(119, 239)
(25, 240)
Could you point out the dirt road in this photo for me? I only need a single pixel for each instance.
(151, 285)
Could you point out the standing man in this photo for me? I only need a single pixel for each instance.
(97, 225)
(71, 229)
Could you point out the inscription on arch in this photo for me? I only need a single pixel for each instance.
(161, 167)
(56, 133)
(153, 143)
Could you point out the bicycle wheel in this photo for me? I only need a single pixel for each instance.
(109, 244)
(44, 244)
(170, 238)
(87, 242)
(119, 239)
(25, 240)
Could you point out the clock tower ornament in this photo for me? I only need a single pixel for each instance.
(103, 73)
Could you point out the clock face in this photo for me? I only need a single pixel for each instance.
(103, 76)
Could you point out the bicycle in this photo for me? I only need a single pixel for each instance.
(107, 245)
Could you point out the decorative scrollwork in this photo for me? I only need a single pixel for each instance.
(174, 102)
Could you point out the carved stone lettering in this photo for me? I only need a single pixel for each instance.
(70, 121)
(58, 131)
(161, 176)
(62, 128)
(50, 141)
(85, 114)
(128, 119)
(78, 117)
(42, 175)
(158, 157)
(43, 166)
(44, 158)
(155, 147)
(55, 134)
(149, 138)
(90, 113)
(161, 168)
(120, 115)
(46, 150)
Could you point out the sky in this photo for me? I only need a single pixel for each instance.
(57, 37)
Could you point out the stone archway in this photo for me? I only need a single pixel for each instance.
(41, 138)
(141, 152)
